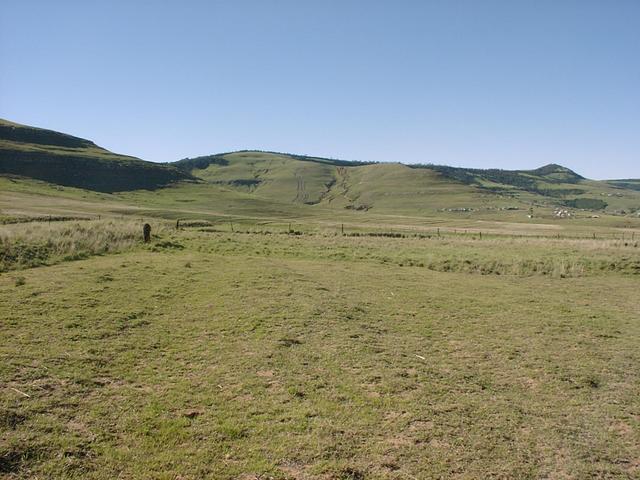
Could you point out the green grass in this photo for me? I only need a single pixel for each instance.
(320, 356)
(282, 181)
(32, 244)
(314, 320)
(213, 202)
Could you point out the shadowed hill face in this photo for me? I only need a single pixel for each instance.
(76, 162)
(632, 184)
(14, 132)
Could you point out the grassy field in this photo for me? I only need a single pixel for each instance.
(295, 328)
(259, 354)
(21, 197)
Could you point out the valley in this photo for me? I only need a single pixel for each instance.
(307, 318)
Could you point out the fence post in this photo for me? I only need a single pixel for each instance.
(146, 232)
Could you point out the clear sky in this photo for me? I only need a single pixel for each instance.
(506, 84)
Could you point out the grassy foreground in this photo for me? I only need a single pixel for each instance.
(251, 355)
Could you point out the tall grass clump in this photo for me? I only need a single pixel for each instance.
(35, 244)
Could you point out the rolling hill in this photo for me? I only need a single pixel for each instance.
(400, 188)
(271, 180)
(66, 160)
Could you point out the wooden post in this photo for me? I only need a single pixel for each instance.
(178, 224)
(231, 223)
(438, 232)
(342, 228)
(146, 232)
(480, 235)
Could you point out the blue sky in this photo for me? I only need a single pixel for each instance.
(506, 84)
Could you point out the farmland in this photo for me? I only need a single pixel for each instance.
(277, 352)
(298, 318)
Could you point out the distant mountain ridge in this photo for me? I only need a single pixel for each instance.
(63, 159)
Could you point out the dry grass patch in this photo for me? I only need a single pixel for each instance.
(24, 245)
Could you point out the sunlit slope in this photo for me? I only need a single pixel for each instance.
(551, 185)
(272, 176)
(260, 183)
(66, 160)
(395, 188)
(384, 187)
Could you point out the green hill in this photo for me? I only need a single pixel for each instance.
(399, 188)
(537, 181)
(71, 161)
(271, 181)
